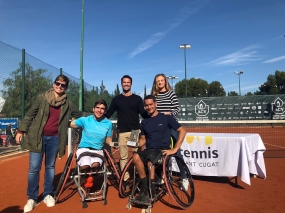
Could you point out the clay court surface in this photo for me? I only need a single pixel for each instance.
(213, 194)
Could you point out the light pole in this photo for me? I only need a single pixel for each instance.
(239, 73)
(185, 46)
(81, 59)
(172, 77)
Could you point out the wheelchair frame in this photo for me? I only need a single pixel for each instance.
(71, 174)
(171, 184)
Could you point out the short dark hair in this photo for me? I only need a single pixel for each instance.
(150, 97)
(101, 101)
(127, 76)
(62, 78)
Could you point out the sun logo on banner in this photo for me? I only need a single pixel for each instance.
(208, 139)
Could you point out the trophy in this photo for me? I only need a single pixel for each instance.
(134, 138)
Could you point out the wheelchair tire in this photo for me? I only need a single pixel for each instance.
(116, 172)
(64, 176)
(173, 182)
(126, 186)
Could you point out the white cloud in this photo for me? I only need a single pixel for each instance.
(157, 37)
(240, 57)
(275, 59)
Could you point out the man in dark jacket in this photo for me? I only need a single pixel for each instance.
(45, 133)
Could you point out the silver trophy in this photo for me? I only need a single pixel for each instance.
(134, 138)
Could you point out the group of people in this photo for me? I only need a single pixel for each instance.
(46, 122)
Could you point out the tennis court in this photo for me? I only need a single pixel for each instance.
(213, 194)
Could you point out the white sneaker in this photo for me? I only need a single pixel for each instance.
(185, 184)
(49, 200)
(30, 205)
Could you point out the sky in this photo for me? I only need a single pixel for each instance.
(142, 39)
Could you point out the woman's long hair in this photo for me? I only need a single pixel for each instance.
(155, 89)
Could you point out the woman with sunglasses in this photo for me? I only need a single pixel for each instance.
(167, 103)
(45, 134)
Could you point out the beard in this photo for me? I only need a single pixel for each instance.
(126, 91)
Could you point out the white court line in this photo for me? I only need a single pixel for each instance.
(275, 145)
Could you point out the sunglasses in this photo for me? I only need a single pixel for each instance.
(59, 84)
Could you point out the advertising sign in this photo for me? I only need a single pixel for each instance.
(256, 107)
(4, 122)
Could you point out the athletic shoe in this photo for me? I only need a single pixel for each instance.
(30, 205)
(143, 196)
(49, 201)
(185, 184)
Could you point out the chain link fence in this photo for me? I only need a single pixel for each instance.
(11, 61)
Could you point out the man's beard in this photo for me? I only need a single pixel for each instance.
(126, 91)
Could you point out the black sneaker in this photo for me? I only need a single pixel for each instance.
(143, 196)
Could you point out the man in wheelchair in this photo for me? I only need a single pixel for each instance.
(154, 141)
(96, 129)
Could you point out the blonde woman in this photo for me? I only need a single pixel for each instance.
(167, 103)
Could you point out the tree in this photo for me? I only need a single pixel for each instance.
(117, 90)
(274, 85)
(198, 87)
(73, 92)
(232, 93)
(144, 91)
(36, 82)
(216, 89)
(249, 94)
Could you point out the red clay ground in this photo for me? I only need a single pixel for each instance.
(212, 194)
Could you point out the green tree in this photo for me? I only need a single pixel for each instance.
(197, 87)
(216, 89)
(36, 82)
(232, 93)
(117, 90)
(73, 92)
(249, 94)
(274, 85)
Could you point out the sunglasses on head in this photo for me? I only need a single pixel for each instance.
(60, 84)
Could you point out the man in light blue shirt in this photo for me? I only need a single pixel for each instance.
(96, 129)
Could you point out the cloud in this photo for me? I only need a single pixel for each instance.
(275, 59)
(240, 57)
(184, 13)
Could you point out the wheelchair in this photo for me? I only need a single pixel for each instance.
(168, 183)
(89, 191)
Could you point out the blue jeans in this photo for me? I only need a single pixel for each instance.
(182, 170)
(49, 150)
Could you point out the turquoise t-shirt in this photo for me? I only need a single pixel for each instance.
(94, 132)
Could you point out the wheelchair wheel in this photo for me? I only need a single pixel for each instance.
(65, 176)
(126, 180)
(113, 166)
(173, 181)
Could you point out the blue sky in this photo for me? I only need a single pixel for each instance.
(142, 38)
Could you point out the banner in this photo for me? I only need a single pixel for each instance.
(4, 122)
(255, 107)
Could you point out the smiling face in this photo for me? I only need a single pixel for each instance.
(59, 87)
(99, 111)
(160, 83)
(150, 106)
(126, 84)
